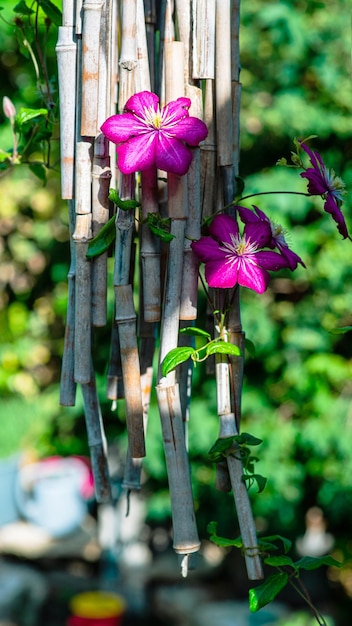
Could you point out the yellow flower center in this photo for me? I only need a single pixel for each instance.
(153, 117)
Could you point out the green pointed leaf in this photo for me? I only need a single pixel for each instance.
(258, 478)
(124, 205)
(266, 592)
(103, 239)
(222, 347)
(250, 347)
(221, 447)
(340, 331)
(192, 331)
(38, 170)
(26, 115)
(164, 235)
(51, 11)
(22, 8)
(175, 357)
(248, 439)
(239, 186)
(222, 541)
(280, 561)
(312, 562)
(287, 544)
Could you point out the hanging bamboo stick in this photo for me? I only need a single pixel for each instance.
(67, 381)
(90, 67)
(203, 32)
(243, 506)
(126, 318)
(185, 535)
(66, 50)
(223, 97)
(96, 441)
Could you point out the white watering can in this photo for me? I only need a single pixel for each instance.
(49, 494)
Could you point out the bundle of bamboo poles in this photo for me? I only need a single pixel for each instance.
(107, 51)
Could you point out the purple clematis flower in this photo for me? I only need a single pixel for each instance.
(147, 135)
(277, 240)
(323, 182)
(231, 258)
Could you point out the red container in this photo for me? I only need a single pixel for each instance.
(96, 608)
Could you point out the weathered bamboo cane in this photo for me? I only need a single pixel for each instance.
(96, 441)
(67, 381)
(126, 318)
(90, 67)
(66, 50)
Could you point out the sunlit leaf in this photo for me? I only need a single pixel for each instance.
(222, 347)
(175, 357)
(193, 331)
(267, 591)
(26, 115)
(103, 239)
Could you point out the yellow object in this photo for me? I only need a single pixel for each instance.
(97, 604)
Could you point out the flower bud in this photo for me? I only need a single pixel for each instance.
(9, 108)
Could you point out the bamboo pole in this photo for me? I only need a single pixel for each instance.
(126, 318)
(96, 441)
(90, 67)
(66, 50)
(67, 381)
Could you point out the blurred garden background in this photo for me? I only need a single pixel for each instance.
(296, 77)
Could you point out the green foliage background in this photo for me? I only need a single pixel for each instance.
(296, 75)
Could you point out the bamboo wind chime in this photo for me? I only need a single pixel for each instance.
(106, 53)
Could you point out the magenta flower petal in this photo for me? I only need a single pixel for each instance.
(206, 248)
(223, 228)
(191, 130)
(221, 275)
(331, 207)
(142, 101)
(271, 260)
(137, 154)
(119, 128)
(177, 110)
(172, 155)
(253, 277)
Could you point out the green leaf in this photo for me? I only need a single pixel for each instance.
(160, 227)
(221, 447)
(193, 331)
(239, 186)
(51, 11)
(280, 561)
(38, 170)
(258, 478)
(248, 439)
(125, 205)
(287, 544)
(164, 235)
(249, 345)
(266, 592)
(175, 357)
(103, 239)
(312, 562)
(340, 331)
(26, 115)
(22, 8)
(222, 541)
(222, 347)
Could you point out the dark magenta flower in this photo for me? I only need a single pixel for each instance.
(277, 240)
(147, 135)
(324, 182)
(231, 258)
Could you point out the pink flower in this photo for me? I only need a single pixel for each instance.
(231, 258)
(278, 240)
(147, 135)
(323, 182)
